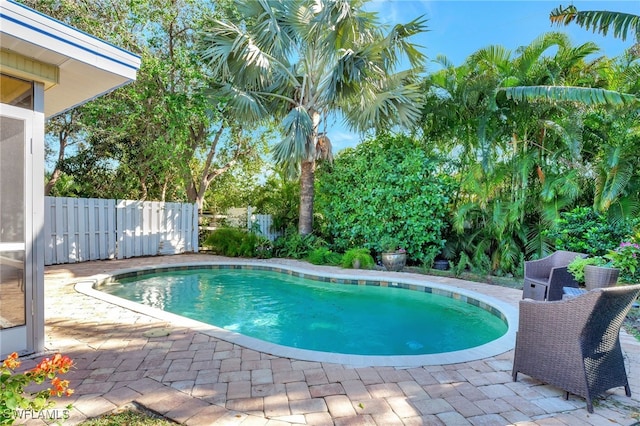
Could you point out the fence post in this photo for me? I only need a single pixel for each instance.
(249, 218)
(195, 242)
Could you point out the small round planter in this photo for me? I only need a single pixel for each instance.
(394, 261)
(441, 264)
(599, 277)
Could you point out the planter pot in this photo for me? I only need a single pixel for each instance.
(441, 265)
(599, 277)
(356, 263)
(394, 261)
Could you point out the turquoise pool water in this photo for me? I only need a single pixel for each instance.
(316, 315)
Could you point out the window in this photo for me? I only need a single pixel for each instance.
(17, 92)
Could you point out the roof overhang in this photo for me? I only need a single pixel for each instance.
(74, 66)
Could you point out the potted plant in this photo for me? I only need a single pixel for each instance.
(441, 264)
(393, 256)
(357, 258)
(594, 272)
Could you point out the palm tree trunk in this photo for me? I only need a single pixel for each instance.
(305, 221)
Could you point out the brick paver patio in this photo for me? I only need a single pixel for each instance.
(196, 379)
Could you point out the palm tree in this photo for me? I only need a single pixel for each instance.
(614, 169)
(513, 160)
(303, 62)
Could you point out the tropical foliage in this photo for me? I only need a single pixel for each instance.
(236, 242)
(324, 256)
(523, 137)
(583, 230)
(386, 186)
(521, 161)
(358, 257)
(295, 245)
(299, 62)
(600, 21)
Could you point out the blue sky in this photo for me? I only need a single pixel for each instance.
(459, 28)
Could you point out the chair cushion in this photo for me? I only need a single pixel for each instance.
(570, 292)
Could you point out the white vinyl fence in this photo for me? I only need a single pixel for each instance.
(82, 229)
(261, 224)
(240, 217)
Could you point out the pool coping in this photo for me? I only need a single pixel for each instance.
(501, 345)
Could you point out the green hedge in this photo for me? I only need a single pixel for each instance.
(385, 187)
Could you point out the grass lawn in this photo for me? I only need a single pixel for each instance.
(130, 415)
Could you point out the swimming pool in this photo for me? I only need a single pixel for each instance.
(352, 327)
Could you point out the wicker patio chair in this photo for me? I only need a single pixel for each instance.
(574, 344)
(544, 278)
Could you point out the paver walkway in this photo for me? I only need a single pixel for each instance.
(196, 379)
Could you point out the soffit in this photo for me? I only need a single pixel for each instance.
(88, 67)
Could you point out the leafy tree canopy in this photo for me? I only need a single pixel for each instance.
(298, 62)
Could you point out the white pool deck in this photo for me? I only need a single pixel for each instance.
(197, 375)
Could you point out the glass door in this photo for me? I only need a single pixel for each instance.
(15, 235)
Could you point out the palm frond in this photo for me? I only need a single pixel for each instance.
(576, 56)
(395, 102)
(397, 44)
(530, 54)
(598, 21)
(342, 24)
(557, 187)
(345, 77)
(247, 106)
(217, 46)
(297, 128)
(463, 215)
(234, 56)
(570, 135)
(444, 62)
(491, 57)
(584, 95)
(536, 246)
(268, 30)
(614, 174)
(623, 208)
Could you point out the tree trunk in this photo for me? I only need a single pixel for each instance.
(63, 136)
(305, 221)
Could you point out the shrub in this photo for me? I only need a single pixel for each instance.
(296, 246)
(584, 231)
(233, 242)
(324, 256)
(387, 186)
(626, 258)
(361, 254)
(264, 248)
